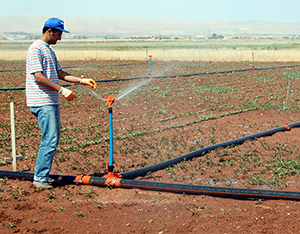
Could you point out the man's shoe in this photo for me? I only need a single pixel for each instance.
(42, 185)
(50, 180)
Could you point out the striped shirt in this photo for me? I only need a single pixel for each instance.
(41, 58)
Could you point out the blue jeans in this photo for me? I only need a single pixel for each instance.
(49, 121)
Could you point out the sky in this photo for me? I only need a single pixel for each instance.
(286, 11)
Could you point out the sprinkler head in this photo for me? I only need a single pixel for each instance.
(110, 100)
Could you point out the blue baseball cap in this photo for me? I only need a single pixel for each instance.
(55, 23)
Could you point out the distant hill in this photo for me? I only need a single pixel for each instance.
(134, 26)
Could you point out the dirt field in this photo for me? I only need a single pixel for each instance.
(163, 119)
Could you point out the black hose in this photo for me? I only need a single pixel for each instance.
(16, 175)
(200, 152)
(208, 190)
(193, 189)
(165, 187)
(29, 176)
(98, 181)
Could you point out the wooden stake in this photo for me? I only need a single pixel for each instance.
(13, 136)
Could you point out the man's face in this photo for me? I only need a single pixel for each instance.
(55, 36)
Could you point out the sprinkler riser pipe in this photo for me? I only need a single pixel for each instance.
(110, 139)
(110, 168)
(110, 100)
(150, 72)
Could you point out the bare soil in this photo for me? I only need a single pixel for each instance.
(149, 126)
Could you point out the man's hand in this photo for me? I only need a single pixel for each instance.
(68, 94)
(89, 82)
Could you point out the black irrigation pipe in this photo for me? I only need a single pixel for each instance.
(159, 186)
(201, 152)
(170, 76)
(187, 188)
(208, 190)
(29, 176)
(11, 89)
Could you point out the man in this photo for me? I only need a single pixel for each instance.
(43, 72)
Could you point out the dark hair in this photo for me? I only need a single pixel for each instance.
(53, 29)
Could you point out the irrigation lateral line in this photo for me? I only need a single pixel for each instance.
(29, 176)
(200, 152)
(208, 190)
(159, 186)
(170, 76)
(187, 188)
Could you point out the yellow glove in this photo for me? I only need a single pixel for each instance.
(89, 82)
(68, 94)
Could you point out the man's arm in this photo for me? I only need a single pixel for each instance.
(73, 79)
(65, 76)
(40, 78)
